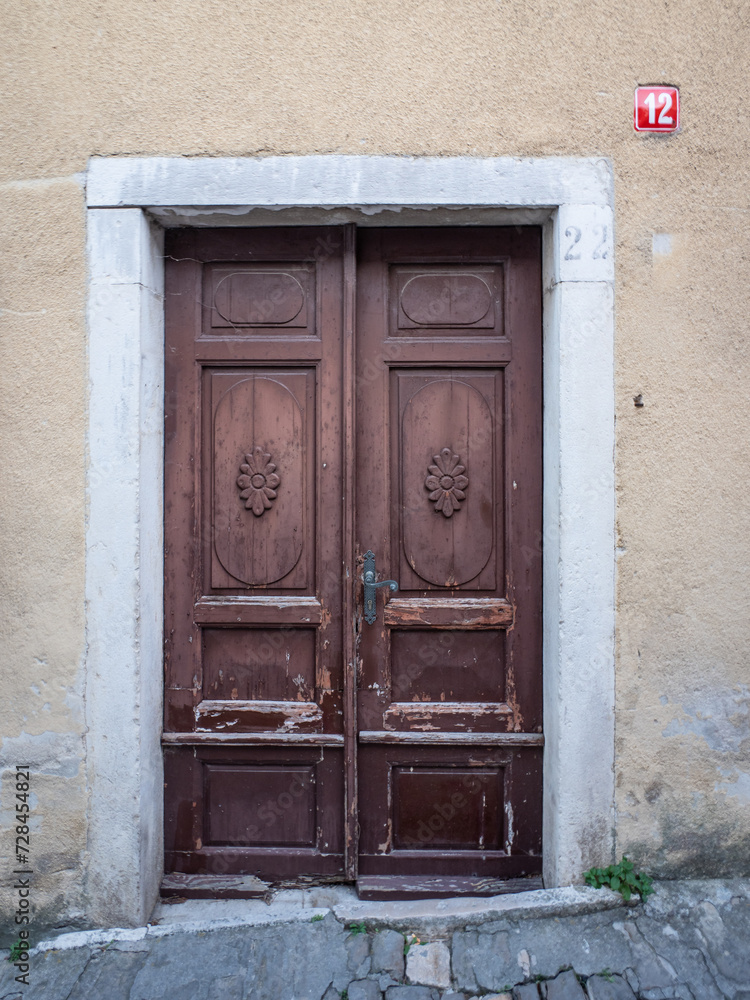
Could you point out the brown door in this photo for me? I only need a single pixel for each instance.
(449, 500)
(254, 765)
(278, 689)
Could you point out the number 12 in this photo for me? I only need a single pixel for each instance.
(664, 118)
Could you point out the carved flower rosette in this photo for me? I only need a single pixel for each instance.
(258, 481)
(447, 482)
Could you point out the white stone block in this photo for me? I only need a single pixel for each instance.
(429, 964)
(334, 180)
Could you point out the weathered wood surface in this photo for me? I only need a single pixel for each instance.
(254, 552)
(259, 611)
(395, 887)
(250, 739)
(349, 611)
(330, 390)
(449, 478)
(459, 613)
(213, 886)
(440, 738)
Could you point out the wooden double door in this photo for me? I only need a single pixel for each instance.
(338, 400)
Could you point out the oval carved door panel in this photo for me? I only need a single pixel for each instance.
(447, 482)
(436, 301)
(446, 299)
(258, 477)
(260, 300)
(252, 298)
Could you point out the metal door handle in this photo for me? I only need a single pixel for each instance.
(369, 579)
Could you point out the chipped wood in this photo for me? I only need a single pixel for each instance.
(259, 611)
(453, 613)
(281, 716)
(439, 738)
(384, 887)
(253, 739)
(177, 884)
(445, 716)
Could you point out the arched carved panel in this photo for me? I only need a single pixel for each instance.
(447, 447)
(258, 418)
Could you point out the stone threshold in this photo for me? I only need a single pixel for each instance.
(424, 917)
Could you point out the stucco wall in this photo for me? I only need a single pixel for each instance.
(444, 77)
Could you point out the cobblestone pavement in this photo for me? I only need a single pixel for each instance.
(691, 940)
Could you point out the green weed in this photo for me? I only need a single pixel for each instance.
(409, 941)
(18, 949)
(622, 878)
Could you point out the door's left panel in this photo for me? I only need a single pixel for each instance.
(253, 527)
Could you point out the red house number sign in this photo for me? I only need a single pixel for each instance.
(657, 109)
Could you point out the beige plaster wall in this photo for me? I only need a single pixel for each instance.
(490, 77)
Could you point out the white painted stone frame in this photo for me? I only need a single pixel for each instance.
(572, 199)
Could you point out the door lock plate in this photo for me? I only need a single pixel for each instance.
(369, 578)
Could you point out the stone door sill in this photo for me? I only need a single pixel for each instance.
(434, 916)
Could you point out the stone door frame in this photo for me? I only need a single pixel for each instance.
(129, 201)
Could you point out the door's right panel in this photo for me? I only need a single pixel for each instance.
(449, 499)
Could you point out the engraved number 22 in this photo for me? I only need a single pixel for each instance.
(664, 118)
